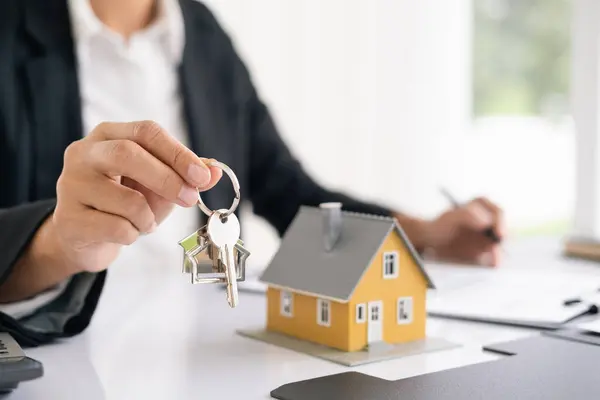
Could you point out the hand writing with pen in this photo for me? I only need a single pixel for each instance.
(469, 233)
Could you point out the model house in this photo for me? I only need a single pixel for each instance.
(346, 280)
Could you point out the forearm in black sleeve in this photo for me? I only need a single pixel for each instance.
(67, 315)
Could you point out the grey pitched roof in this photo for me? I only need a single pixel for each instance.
(301, 264)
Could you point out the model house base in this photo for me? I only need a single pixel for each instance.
(350, 359)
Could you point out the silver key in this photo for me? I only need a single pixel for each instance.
(215, 253)
(224, 232)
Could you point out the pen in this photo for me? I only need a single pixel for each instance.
(489, 232)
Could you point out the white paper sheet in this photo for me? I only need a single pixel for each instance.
(509, 295)
(513, 295)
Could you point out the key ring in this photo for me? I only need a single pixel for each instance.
(236, 189)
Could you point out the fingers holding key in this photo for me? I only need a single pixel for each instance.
(117, 158)
(119, 182)
(155, 140)
(216, 174)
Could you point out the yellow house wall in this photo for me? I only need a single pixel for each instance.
(303, 323)
(410, 282)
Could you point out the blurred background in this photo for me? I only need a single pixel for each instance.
(394, 99)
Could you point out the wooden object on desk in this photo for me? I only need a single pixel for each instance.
(588, 249)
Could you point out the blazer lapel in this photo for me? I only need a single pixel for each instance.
(52, 90)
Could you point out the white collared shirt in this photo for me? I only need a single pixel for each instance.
(128, 80)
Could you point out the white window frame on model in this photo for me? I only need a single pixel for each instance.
(323, 310)
(390, 258)
(408, 308)
(361, 313)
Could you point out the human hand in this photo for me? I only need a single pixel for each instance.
(118, 183)
(458, 234)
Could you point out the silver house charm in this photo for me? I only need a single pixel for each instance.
(199, 258)
(215, 253)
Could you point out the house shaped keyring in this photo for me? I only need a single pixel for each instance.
(201, 257)
(201, 261)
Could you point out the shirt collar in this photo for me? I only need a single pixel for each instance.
(168, 27)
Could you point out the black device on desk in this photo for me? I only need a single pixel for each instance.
(537, 367)
(15, 366)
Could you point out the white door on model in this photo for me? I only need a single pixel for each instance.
(375, 321)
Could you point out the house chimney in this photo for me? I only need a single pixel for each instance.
(332, 223)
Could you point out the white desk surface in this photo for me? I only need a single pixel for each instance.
(155, 336)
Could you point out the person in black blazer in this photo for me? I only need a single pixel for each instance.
(63, 212)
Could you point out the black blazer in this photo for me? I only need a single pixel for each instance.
(40, 115)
